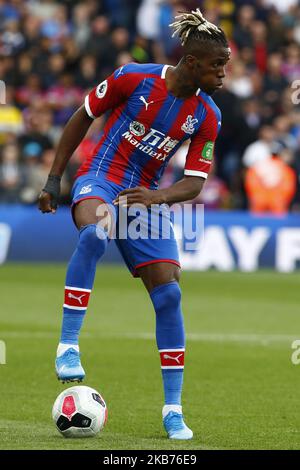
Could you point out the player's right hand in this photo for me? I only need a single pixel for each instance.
(47, 201)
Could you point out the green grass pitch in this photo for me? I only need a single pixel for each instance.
(241, 390)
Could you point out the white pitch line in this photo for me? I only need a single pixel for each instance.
(263, 339)
(34, 335)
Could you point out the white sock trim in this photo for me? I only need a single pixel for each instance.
(62, 348)
(167, 408)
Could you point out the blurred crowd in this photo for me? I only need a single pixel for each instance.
(53, 52)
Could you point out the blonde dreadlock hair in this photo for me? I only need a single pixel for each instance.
(193, 25)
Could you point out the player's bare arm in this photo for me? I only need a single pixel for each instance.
(72, 135)
(184, 190)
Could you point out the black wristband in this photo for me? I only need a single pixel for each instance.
(52, 187)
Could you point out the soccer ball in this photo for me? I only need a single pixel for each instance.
(79, 412)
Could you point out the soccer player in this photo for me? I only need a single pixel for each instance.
(153, 110)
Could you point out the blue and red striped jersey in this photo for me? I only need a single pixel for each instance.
(146, 125)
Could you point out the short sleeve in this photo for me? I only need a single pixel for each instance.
(201, 150)
(112, 92)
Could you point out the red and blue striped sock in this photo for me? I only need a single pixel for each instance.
(170, 338)
(79, 281)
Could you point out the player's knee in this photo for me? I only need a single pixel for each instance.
(167, 295)
(93, 240)
(166, 300)
(173, 294)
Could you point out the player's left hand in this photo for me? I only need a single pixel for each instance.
(138, 195)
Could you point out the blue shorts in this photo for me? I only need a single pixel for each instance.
(156, 243)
